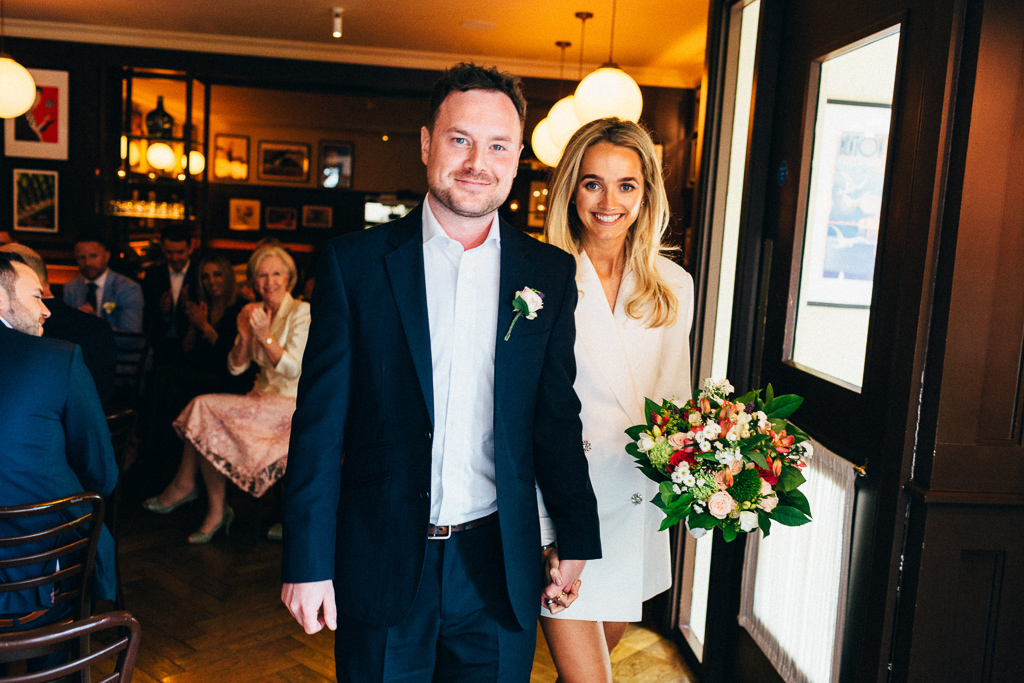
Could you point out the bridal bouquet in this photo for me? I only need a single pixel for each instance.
(734, 464)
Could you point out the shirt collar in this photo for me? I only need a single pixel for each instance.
(174, 273)
(101, 280)
(432, 228)
(6, 324)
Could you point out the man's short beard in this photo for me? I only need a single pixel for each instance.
(444, 196)
(21, 320)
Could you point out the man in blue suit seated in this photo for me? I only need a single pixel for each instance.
(55, 437)
(100, 291)
(422, 545)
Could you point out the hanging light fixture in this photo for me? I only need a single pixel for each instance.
(17, 87)
(561, 122)
(609, 91)
(336, 26)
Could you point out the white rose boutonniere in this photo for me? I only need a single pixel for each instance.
(527, 302)
(109, 306)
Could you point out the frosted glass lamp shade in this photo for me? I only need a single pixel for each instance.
(17, 89)
(543, 147)
(161, 156)
(608, 92)
(195, 162)
(562, 121)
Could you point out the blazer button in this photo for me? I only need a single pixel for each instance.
(424, 495)
(428, 435)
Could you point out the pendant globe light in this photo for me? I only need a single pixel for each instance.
(609, 91)
(17, 87)
(551, 134)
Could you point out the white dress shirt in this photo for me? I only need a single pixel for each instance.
(462, 308)
(177, 280)
(6, 324)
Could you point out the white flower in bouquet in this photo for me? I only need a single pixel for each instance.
(694, 419)
(677, 476)
(727, 456)
(689, 480)
(748, 520)
(711, 430)
(808, 449)
(645, 442)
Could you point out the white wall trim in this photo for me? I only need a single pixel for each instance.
(321, 52)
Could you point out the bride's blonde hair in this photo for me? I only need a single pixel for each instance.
(653, 299)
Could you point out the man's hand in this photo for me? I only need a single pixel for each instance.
(87, 308)
(166, 302)
(564, 581)
(304, 601)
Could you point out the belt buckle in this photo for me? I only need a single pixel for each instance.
(439, 535)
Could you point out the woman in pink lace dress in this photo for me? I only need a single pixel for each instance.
(245, 438)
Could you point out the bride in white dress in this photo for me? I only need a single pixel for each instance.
(609, 209)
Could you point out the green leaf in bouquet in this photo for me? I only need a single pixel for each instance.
(729, 533)
(650, 407)
(795, 499)
(635, 431)
(707, 456)
(703, 520)
(778, 424)
(683, 501)
(769, 398)
(784, 406)
(667, 494)
(800, 434)
(674, 517)
(757, 457)
(633, 449)
(787, 516)
(764, 521)
(790, 478)
(652, 473)
(747, 397)
(662, 505)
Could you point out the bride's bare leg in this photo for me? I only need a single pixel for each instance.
(580, 650)
(613, 631)
(215, 492)
(185, 479)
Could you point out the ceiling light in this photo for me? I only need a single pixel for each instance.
(161, 156)
(17, 87)
(609, 91)
(543, 147)
(337, 22)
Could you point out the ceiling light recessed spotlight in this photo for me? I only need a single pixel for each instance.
(337, 22)
(478, 25)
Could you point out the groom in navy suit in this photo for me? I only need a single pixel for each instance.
(428, 413)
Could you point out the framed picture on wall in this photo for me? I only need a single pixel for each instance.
(335, 164)
(244, 214)
(317, 216)
(288, 161)
(35, 200)
(281, 218)
(231, 157)
(42, 131)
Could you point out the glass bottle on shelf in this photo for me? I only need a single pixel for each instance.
(160, 124)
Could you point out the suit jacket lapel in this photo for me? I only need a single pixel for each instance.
(599, 332)
(515, 274)
(405, 272)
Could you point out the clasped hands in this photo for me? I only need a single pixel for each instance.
(253, 320)
(562, 581)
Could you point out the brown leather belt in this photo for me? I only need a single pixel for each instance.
(440, 533)
(20, 621)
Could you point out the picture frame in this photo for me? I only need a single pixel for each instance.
(283, 161)
(317, 216)
(42, 131)
(35, 200)
(845, 203)
(281, 218)
(231, 157)
(336, 160)
(244, 214)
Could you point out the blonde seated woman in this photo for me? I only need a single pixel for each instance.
(245, 438)
(608, 209)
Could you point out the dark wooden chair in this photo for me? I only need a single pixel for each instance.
(122, 423)
(72, 542)
(21, 646)
(132, 351)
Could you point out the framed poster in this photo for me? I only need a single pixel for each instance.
(335, 164)
(244, 214)
(288, 161)
(42, 131)
(845, 203)
(281, 218)
(317, 216)
(35, 200)
(231, 157)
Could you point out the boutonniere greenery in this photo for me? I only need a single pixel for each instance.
(527, 302)
(109, 306)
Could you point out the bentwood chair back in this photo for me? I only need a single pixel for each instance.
(132, 351)
(125, 646)
(43, 546)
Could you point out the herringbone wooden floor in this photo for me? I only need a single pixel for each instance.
(213, 613)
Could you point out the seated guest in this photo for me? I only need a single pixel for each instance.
(211, 333)
(168, 288)
(92, 334)
(55, 439)
(245, 438)
(100, 291)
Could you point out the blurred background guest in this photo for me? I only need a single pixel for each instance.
(93, 335)
(168, 288)
(100, 291)
(245, 438)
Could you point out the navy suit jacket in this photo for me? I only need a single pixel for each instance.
(367, 391)
(55, 442)
(157, 323)
(94, 337)
(124, 292)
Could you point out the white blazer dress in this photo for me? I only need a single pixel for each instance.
(619, 362)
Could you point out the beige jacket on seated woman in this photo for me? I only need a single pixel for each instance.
(290, 328)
